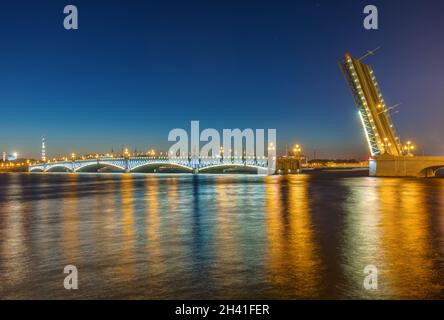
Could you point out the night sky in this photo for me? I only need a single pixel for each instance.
(137, 69)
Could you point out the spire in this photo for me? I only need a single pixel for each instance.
(43, 150)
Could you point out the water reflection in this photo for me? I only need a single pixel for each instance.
(408, 270)
(127, 263)
(185, 236)
(293, 256)
(13, 234)
(70, 222)
(361, 241)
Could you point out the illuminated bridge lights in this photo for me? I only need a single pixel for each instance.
(374, 116)
(129, 164)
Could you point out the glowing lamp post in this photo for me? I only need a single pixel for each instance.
(126, 154)
(409, 148)
(297, 150)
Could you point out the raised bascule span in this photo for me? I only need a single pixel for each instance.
(388, 156)
(379, 130)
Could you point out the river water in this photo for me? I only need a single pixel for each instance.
(220, 236)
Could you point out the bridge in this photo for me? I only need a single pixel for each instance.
(157, 164)
(387, 165)
(389, 157)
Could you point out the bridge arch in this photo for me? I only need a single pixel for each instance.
(57, 167)
(140, 167)
(429, 172)
(97, 166)
(240, 167)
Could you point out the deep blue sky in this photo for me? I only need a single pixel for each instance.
(137, 69)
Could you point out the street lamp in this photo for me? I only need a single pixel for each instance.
(409, 148)
(126, 153)
(297, 150)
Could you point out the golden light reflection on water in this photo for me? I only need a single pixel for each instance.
(190, 236)
(173, 219)
(388, 226)
(293, 257)
(152, 207)
(408, 269)
(154, 249)
(127, 223)
(109, 218)
(361, 236)
(13, 248)
(70, 222)
(227, 237)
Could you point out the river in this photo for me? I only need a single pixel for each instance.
(173, 236)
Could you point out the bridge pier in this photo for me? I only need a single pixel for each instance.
(288, 165)
(405, 166)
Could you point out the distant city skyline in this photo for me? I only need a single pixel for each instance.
(132, 72)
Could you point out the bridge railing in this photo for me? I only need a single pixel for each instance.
(130, 163)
